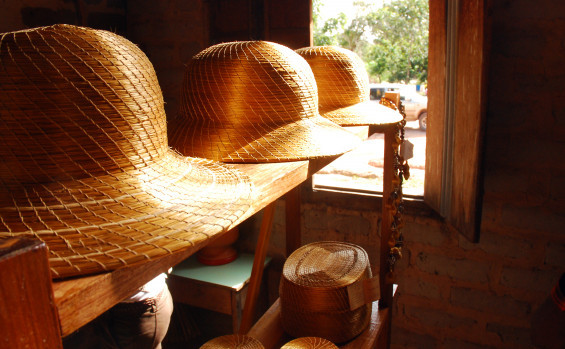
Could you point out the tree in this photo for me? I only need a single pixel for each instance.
(326, 33)
(392, 39)
(400, 46)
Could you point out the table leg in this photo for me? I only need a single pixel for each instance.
(257, 271)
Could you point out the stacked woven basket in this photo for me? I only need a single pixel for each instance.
(319, 291)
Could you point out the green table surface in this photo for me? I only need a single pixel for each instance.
(234, 274)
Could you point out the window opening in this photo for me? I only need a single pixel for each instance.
(391, 36)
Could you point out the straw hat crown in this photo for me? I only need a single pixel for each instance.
(85, 165)
(309, 343)
(253, 101)
(340, 75)
(55, 106)
(343, 88)
(314, 292)
(233, 341)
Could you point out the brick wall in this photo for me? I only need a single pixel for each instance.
(100, 14)
(170, 33)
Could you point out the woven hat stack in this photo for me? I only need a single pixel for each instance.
(343, 88)
(85, 164)
(253, 101)
(233, 341)
(318, 291)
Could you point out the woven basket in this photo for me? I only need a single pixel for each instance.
(324, 293)
(85, 163)
(343, 88)
(309, 343)
(233, 341)
(253, 101)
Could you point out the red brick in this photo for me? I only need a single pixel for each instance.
(518, 337)
(418, 287)
(499, 245)
(460, 269)
(452, 343)
(406, 339)
(489, 303)
(438, 319)
(555, 254)
(539, 219)
(428, 234)
(529, 279)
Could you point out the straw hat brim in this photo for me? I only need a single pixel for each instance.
(309, 343)
(303, 139)
(363, 114)
(102, 223)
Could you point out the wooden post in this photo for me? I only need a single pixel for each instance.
(28, 315)
(293, 220)
(386, 221)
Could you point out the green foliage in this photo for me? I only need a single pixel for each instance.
(392, 40)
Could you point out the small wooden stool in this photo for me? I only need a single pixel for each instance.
(219, 288)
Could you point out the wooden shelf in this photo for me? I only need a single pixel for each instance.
(95, 294)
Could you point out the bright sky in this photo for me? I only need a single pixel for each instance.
(331, 8)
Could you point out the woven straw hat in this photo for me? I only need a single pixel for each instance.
(233, 341)
(343, 88)
(85, 165)
(315, 291)
(253, 101)
(309, 343)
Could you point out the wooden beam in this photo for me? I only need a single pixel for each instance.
(29, 318)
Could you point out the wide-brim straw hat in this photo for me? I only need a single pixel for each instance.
(253, 101)
(343, 88)
(315, 291)
(85, 164)
(233, 341)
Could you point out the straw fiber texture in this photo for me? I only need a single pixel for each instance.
(313, 291)
(343, 88)
(85, 165)
(233, 341)
(309, 343)
(253, 101)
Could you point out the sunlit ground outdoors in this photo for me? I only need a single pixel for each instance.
(361, 169)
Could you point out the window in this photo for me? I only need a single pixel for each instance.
(458, 39)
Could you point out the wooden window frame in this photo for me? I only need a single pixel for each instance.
(458, 51)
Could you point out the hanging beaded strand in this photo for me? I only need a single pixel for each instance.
(401, 172)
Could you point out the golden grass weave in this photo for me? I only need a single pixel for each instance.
(85, 164)
(314, 291)
(309, 343)
(343, 88)
(233, 341)
(253, 101)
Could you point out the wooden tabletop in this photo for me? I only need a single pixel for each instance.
(82, 299)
